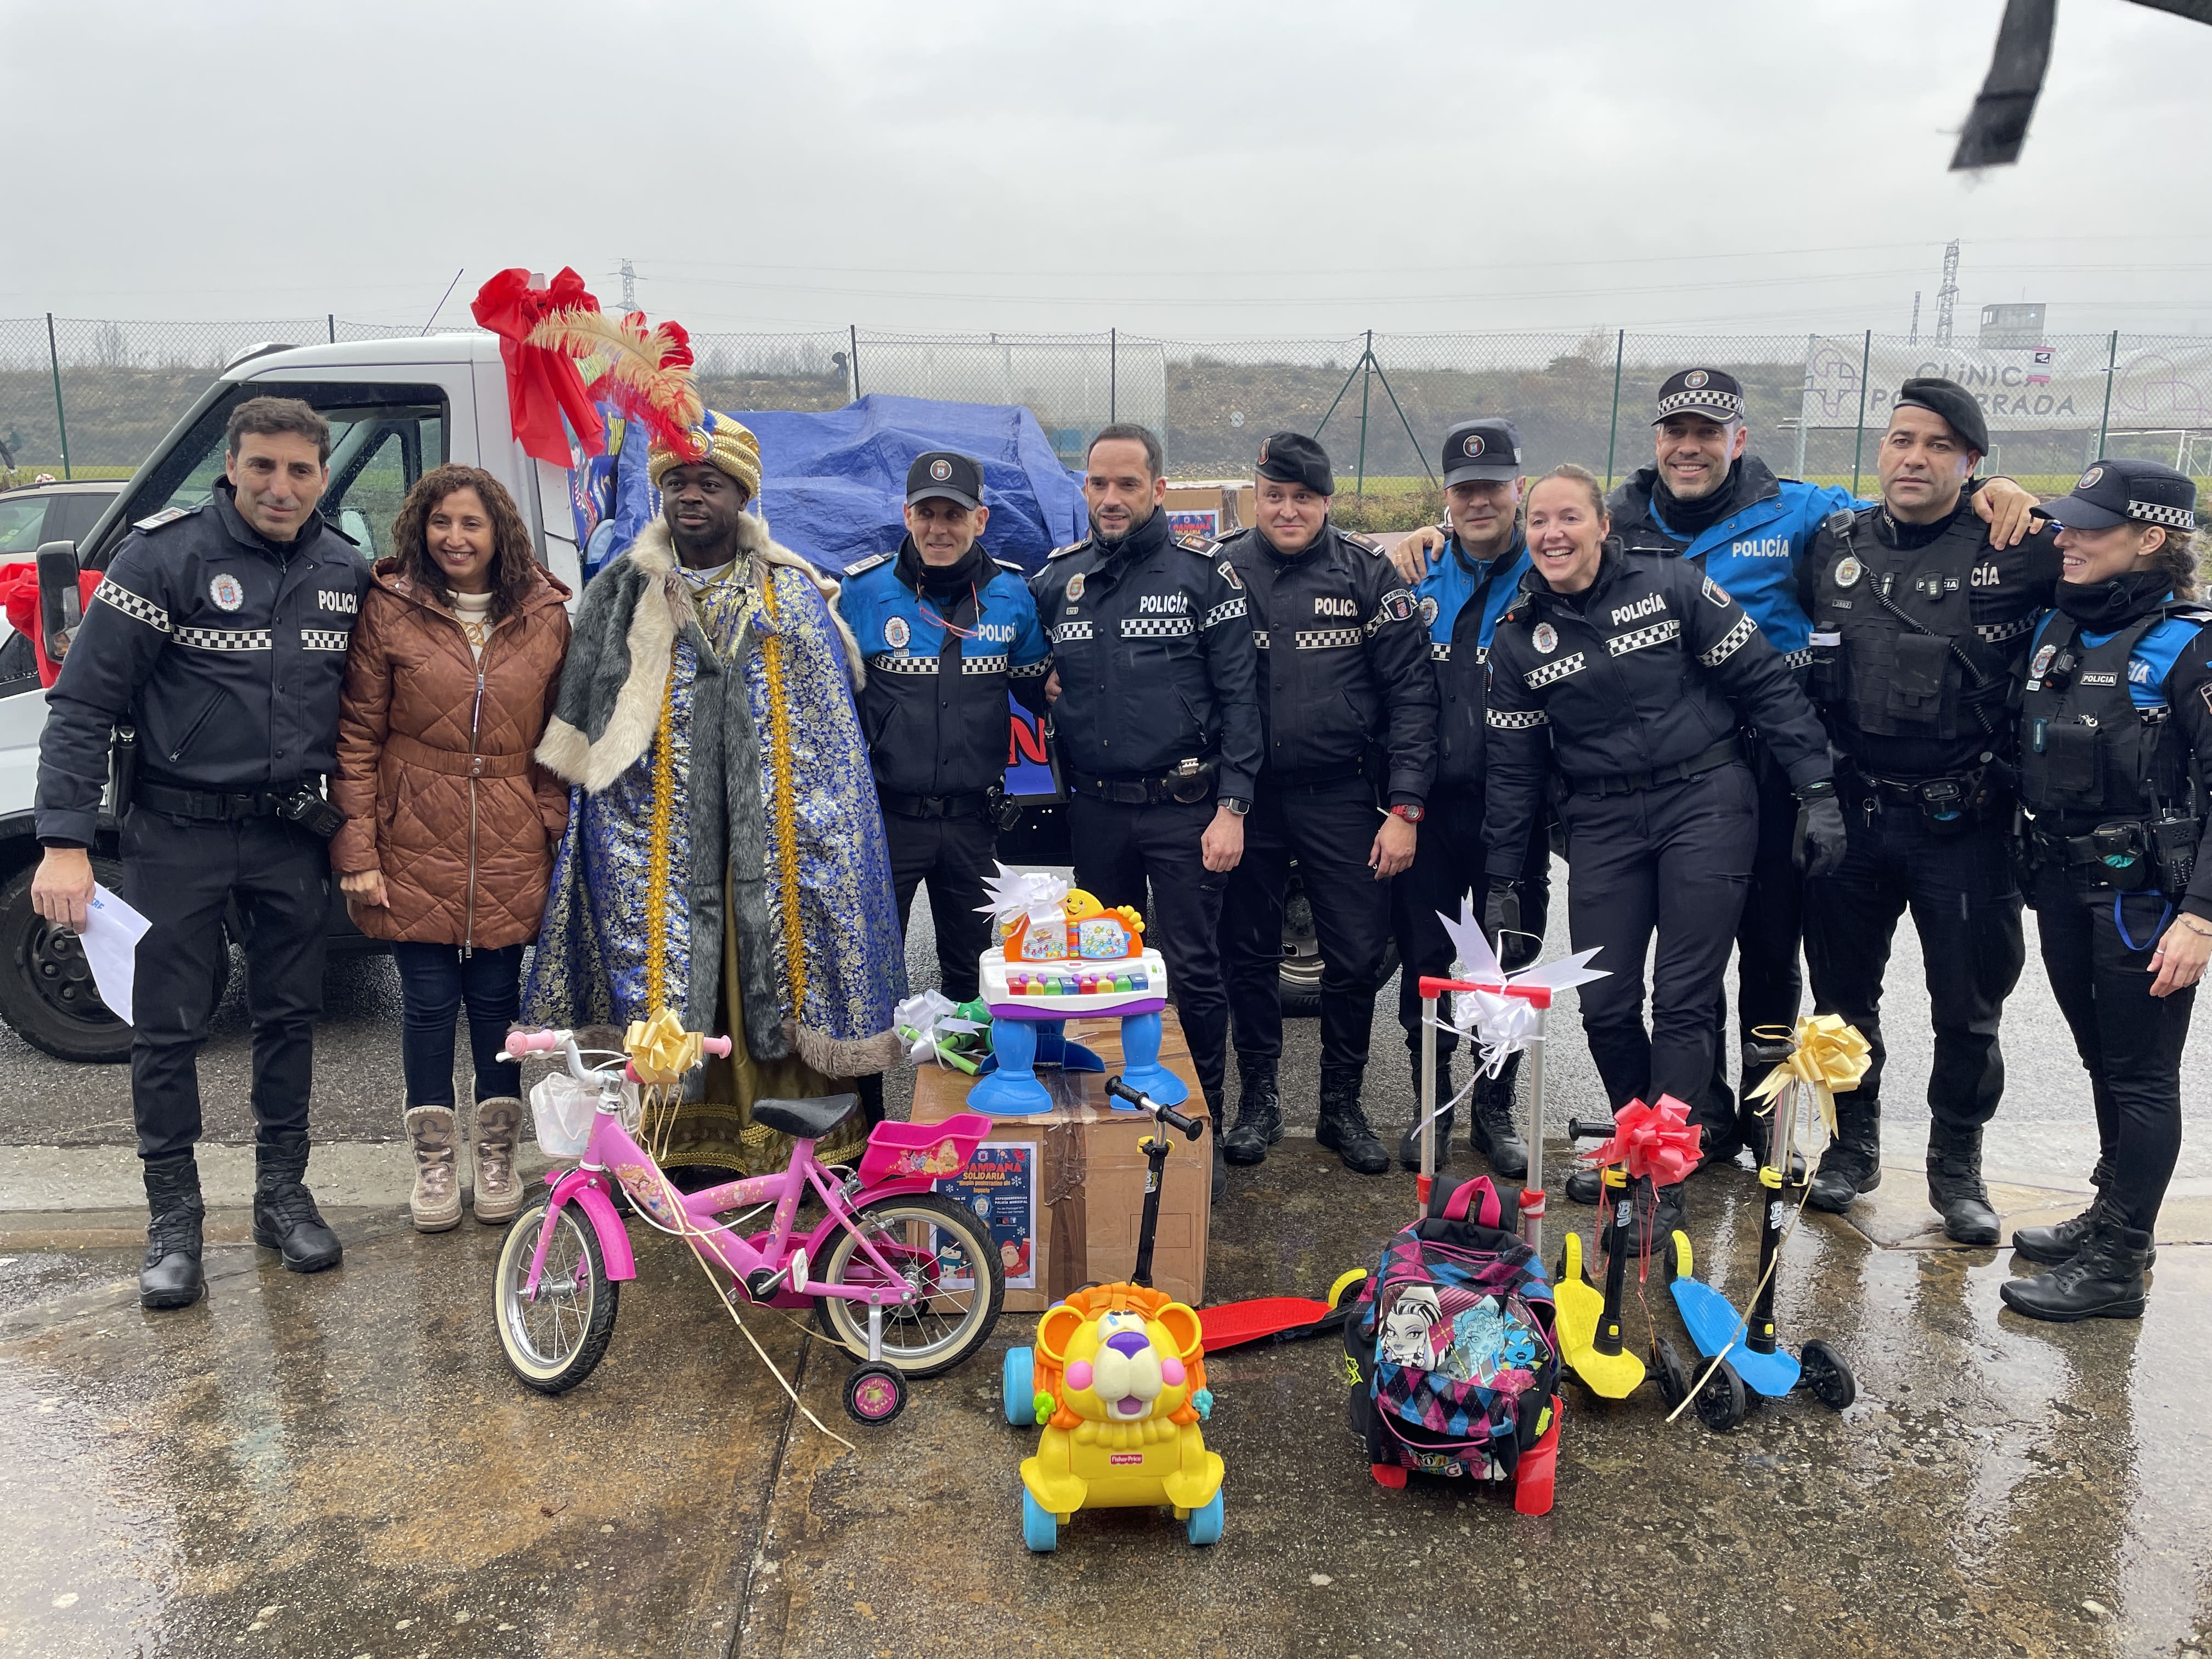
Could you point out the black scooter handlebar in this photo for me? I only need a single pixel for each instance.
(1191, 1128)
(1586, 1129)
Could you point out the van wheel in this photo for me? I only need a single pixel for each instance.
(47, 995)
(1298, 978)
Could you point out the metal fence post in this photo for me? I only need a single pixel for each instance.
(61, 420)
(1858, 438)
(332, 319)
(1114, 376)
(852, 344)
(2111, 366)
(1613, 425)
(1366, 365)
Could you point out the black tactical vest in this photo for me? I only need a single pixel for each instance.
(2085, 750)
(1930, 676)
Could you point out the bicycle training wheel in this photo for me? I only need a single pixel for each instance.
(554, 1340)
(928, 1242)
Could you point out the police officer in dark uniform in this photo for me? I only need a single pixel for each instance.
(2116, 737)
(1348, 716)
(1628, 677)
(1920, 638)
(220, 637)
(1459, 599)
(1156, 712)
(946, 632)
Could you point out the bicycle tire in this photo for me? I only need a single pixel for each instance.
(846, 1322)
(560, 1365)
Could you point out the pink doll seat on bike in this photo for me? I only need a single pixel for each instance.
(916, 1152)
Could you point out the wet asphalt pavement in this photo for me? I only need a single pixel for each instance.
(343, 1465)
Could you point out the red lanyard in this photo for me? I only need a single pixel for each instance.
(949, 626)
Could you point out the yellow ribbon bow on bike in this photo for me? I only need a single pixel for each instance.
(1829, 1054)
(660, 1050)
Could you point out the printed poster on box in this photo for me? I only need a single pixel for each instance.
(998, 1187)
(1204, 521)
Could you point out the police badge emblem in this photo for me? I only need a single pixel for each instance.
(2089, 480)
(1428, 611)
(1696, 379)
(940, 469)
(1075, 586)
(227, 592)
(1848, 571)
(896, 633)
(1546, 639)
(2041, 666)
(1472, 445)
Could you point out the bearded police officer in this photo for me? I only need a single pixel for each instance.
(219, 635)
(946, 632)
(1156, 715)
(2116, 737)
(1920, 638)
(1348, 718)
(1459, 599)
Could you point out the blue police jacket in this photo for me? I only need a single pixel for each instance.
(1458, 648)
(1752, 552)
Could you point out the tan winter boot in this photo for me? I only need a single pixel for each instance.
(435, 1203)
(499, 1192)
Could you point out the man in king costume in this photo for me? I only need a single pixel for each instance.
(725, 854)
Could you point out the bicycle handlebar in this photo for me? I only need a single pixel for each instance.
(1190, 1128)
(533, 1042)
(718, 1047)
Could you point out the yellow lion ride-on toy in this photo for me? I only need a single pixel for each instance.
(1118, 1377)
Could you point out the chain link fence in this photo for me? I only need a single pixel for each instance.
(91, 397)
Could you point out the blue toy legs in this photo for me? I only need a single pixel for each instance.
(1053, 1048)
(1012, 1089)
(1140, 1062)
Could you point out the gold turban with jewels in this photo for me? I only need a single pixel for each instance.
(719, 441)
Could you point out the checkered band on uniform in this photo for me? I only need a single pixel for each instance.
(226, 638)
(1546, 673)
(1440, 651)
(1157, 628)
(1260, 638)
(1732, 642)
(1227, 611)
(1657, 634)
(130, 605)
(982, 665)
(891, 665)
(1705, 403)
(1030, 670)
(1998, 633)
(2174, 517)
(1063, 632)
(1516, 719)
(1329, 638)
(324, 638)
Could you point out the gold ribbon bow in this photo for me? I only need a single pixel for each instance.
(660, 1050)
(1829, 1055)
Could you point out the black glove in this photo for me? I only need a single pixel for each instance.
(1820, 840)
(1501, 921)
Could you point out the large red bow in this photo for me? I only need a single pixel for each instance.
(542, 386)
(1651, 1141)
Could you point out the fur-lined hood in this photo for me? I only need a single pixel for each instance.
(626, 628)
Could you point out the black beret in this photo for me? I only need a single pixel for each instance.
(1957, 406)
(1293, 457)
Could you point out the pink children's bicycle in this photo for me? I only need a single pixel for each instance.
(907, 1280)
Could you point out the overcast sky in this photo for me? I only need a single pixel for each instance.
(1226, 170)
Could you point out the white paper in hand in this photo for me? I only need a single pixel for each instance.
(111, 932)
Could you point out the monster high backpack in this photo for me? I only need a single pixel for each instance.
(1451, 1349)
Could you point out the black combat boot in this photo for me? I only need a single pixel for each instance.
(1409, 1149)
(1954, 1186)
(285, 1218)
(2104, 1280)
(1259, 1113)
(1584, 1184)
(1852, 1163)
(1490, 1130)
(1653, 1218)
(1343, 1127)
(2062, 1241)
(170, 1277)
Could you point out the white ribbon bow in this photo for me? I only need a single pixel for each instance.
(926, 1020)
(1500, 1026)
(1037, 894)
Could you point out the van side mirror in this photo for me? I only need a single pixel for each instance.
(61, 607)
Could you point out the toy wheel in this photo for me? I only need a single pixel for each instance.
(1666, 1369)
(1203, 1526)
(1347, 1282)
(1018, 1386)
(1822, 1373)
(932, 1245)
(1570, 1258)
(1721, 1402)
(1388, 1474)
(874, 1395)
(554, 1340)
(1040, 1530)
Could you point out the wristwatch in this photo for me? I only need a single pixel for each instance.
(1235, 807)
(1408, 812)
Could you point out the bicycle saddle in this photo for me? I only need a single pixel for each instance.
(805, 1120)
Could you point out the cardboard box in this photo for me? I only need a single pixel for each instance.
(1213, 508)
(1085, 1176)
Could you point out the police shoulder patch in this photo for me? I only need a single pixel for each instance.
(858, 566)
(1364, 543)
(1713, 591)
(166, 516)
(1229, 573)
(1072, 547)
(1009, 565)
(1191, 541)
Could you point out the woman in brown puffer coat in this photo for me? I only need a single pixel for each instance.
(449, 825)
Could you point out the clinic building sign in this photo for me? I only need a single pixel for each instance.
(2054, 384)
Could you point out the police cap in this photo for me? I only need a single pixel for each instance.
(2112, 492)
(1955, 404)
(946, 473)
(1484, 448)
(1710, 392)
(1293, 457)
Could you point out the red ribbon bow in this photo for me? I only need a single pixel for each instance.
(1657, 1141)
(542, 386)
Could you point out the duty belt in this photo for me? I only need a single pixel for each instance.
(1914, 791)
(203, 804)
(1126, 792)
(1722, 753)
(975, 803)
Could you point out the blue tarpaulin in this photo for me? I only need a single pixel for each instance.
(833, 483)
